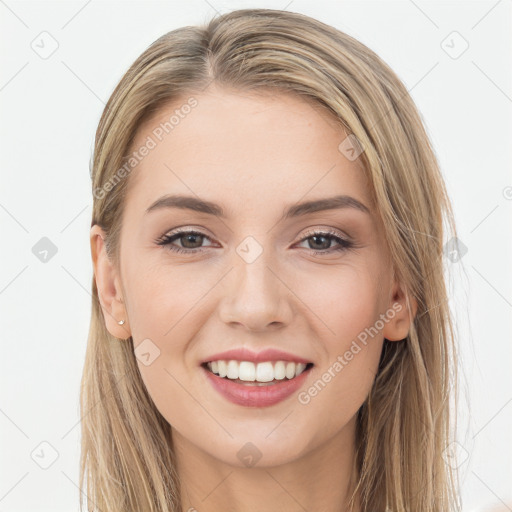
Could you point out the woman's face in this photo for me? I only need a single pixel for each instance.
(316, 284)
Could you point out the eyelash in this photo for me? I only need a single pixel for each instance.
(168, 238)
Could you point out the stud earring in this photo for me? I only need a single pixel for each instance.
(121, 322)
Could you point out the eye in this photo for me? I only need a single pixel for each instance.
(192, 241)
(321, 241)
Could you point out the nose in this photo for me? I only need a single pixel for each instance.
(255, 297)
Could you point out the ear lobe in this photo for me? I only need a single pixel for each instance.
(109, 289)
(401, 313)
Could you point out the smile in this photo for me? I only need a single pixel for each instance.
(256, 384)
(264, 372)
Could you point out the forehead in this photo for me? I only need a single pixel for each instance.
(248, 151)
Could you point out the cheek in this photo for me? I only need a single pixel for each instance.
(163, 308)
(350, 304)
(161, 297)
(337, 390)
(346, 300)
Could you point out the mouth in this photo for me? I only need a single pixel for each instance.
(248, 373)
(256, 384)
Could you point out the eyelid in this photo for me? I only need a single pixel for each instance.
(187, 229)
(326, 230)
(176, 232)
(310, 231)
(344, 242)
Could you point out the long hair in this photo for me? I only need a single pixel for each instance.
(406, 423)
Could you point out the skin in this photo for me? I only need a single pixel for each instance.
(254, 155)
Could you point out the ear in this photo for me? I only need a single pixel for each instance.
(109, 286)
(404, 307)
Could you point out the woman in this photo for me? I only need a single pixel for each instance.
(270, 328)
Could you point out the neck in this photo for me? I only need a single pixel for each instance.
(323, 479)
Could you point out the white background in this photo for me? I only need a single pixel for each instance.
(49, 111)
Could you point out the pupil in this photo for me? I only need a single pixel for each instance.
(188, 238)
(316, 237)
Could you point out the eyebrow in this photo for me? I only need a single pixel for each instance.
(296, 210)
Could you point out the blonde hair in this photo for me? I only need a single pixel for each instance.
(405, 424)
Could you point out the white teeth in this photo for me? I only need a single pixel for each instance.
(299, 368)
(280, 370)
(290, 370)
(260, 372)
(223, 368)
(265, 372)
(232, 370)
(247, 371)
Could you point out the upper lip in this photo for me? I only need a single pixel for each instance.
(244, 354)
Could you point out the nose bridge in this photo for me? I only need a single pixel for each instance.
(255, 296)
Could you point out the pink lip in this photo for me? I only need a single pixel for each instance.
(244, 354)
(255, 396)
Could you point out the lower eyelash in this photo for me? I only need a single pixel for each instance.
(344, 245)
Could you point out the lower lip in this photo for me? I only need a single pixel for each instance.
(256, 396)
